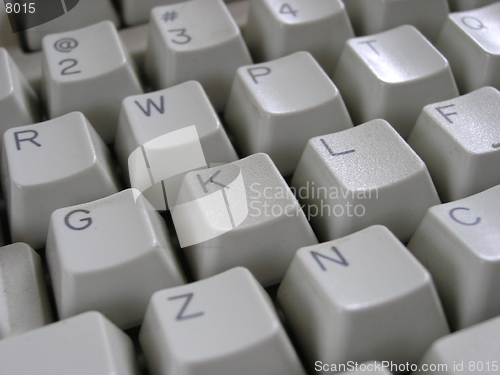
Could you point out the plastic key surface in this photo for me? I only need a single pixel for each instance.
(153, 118)
(360, 177)
(459, 140)
(374, 16)
(89, 70)
(392, 75)
(472, 351)
(458, 243)
(222, 325)
(110, 255)
(195, 40)
(361, 297)
(240, 214)
(24, 302)
(276, 29)
(471, 42)
(87, 344)
(277, 106)
(18, 101)
(49, 165)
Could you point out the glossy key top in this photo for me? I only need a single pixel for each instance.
(148, 120)
(362, 297)
(110, 255)
(471, 42)
(360, 177)
(277, 106)
(373, 16)
(89, 70)
(459, 140)
(458, 243)
(240, 214)
(392, 75)
(276, 29)
(49, 165)
(87, 344)
(195, 40)
(222, 325)
(471, 351)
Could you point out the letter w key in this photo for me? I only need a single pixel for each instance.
(148, 111)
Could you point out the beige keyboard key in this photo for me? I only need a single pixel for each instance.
(222, 325)
(89, 70)
(49, 165)
(392, 75)
(87, 344)
(18, 101)
(471, 351)
(359, 298)
(277, 106)
(374, 16)
(110, 255)
(240, 214)
(363, 176)
(458, 244)
(24, 302)
(77, 14)
(471, 42)
(146, 118)
(459, 140)
(276, 29)
(195, 40)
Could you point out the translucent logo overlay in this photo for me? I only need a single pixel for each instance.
(213, 199)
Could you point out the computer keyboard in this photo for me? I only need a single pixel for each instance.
(251, 187)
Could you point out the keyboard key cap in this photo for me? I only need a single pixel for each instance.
(75, 15)
(362, 297)
(195, 40)
(458, 244)
(392, 75)
(374, 16)
(89, 70)
(110, 255)
(360, 177)
(24, 303)
(459, 140)
(223, 325)
(240, 214)
(471, 43)
(277, 106)
(49, 165)
(18, 101)
(146, 117)
(276, 29)
(471, 351)
(83, 345)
